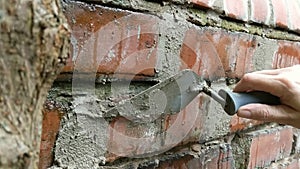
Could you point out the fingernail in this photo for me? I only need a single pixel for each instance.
(244, 113)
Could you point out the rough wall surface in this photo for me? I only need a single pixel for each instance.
(121, 48)
(34, 41)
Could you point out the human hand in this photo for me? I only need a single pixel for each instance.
(284, 83)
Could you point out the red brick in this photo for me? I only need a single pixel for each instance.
(215, 157)
(214, 54)
(127, 138)
(260, 11)
(108, 41)
(236, 9)
(204, 3)
(287, 54)
(269, 147)
(294, 14)
(181, 163)
(280, 13)
(238, 123)
(262, 147)
(186, 125)
(50, 128)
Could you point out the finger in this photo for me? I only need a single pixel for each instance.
(274, 71)
(280, 114)
(269, 72)
(260, 82)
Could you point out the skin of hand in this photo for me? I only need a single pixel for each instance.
(284, 83)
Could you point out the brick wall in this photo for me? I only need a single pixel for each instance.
(121, 48)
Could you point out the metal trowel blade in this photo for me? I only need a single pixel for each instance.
(167, 97)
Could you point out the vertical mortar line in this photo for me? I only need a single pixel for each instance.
(249, 6)
(225, 7)
(269, 13)
(251, 10)
(298, 5)
(294, 143)
(211, 2)
(220, 159)
(287, 6)
(272, 16)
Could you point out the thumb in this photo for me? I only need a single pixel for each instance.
(263, 112)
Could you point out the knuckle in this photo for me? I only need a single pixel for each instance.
(247, 78)
(266, 114)
(284, 80)
(287, 85)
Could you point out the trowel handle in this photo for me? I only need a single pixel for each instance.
(233, 100)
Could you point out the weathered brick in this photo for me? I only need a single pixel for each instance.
(294, 14)
(259, 148)
(260, 11)
(186, 125)
(204, 3)
(212, 53)
(215, 157)
(280, 13)
(127, 138)
(238, 123)
(128, 47)
(236, 9)
(287, 54)
(50, 129)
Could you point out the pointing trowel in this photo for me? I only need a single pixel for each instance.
(175, 93)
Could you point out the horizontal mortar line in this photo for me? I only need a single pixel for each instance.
(99, 76)
(111, 5)
(296, 37)
(292, 36)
